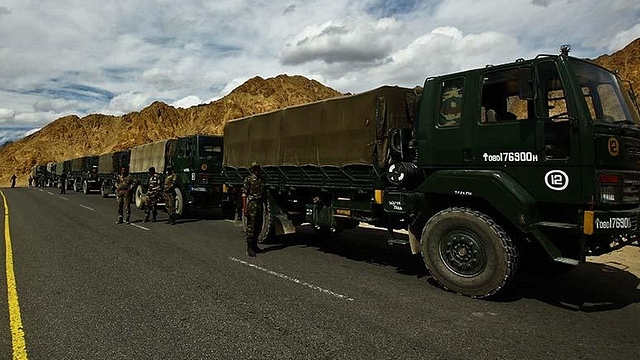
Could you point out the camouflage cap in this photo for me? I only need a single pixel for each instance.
(254, 164)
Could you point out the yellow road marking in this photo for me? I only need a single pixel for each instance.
(17, 332)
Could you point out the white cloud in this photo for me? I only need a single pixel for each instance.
(623, 38)
(6, 115)
(127, 102)
(13, 134)
(187, 102)
(77, 57)
(352, 40)
(55, 105)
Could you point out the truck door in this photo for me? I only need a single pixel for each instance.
(504, 135)
(447, 140)
(558, 136)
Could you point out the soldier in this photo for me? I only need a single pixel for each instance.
(63, 182)
(253, 199)
(153, 193)
(13, 180)
(170, 183)
(124, 184)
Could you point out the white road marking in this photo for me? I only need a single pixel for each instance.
(62, 197)
(140, 227)
(86, 207)
(49, 192)
(294, 280)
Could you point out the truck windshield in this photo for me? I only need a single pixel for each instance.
(209, 149)
(606, 99)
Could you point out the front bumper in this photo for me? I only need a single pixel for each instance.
(611, 222)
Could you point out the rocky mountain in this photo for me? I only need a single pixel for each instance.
(70, 136)
(626, 61)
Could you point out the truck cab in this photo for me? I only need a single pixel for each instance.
(548, 149)
(198, 163)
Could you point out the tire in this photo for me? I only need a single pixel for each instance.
(268, 232)
(85, 187)
(181, 204)
(138, 197)
(468, 253)
(75, 185)
(103, 190)
(229, 211)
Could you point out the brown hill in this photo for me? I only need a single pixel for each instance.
(70, 136)
(626, 61)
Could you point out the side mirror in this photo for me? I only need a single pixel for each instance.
(525, 83)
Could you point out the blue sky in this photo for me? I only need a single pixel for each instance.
(64, 57)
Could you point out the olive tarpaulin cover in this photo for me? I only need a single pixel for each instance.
(339, 131)
(105, 164)
(154, 154)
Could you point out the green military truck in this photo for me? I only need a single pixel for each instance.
(49, 174)
(60, 168)
(196, 159)
(482, 167)
(38, 174)
(108, 169)
(83, 175)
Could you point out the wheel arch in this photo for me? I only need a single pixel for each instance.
(493, 192)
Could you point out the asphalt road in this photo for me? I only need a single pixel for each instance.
(90, 289)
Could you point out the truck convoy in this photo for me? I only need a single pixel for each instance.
(482, 167)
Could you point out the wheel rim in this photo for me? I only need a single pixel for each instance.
(463, 253)
(178, 205)
(138, 197)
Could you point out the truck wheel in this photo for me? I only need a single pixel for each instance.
(229, 211)
(85, 187)
(268, 232)
(468, 253)
(75, 185)
(138, 197)
(181, 204)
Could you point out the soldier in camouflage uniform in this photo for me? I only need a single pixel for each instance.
(253, 199)
(124, 184)
(170, 183)
(153, 194)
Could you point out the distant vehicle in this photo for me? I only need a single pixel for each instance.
(197, 160)
(108, 169)
(38, 174)
(84, 174)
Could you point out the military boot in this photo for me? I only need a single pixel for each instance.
(146, 217)
(250, 250)
(128, 220)
(421, 268)
(119, 220)
(255, 248)
(173, 220)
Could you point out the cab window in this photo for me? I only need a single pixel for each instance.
(451, 103)
(500, 98)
